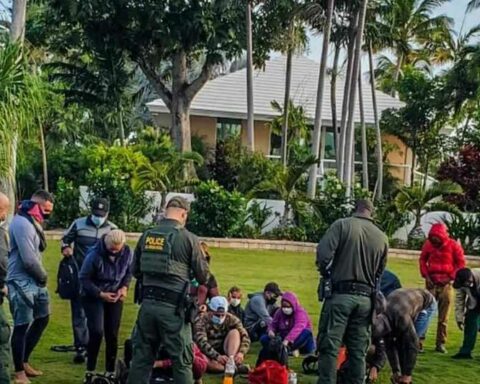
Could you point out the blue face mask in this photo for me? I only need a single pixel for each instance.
(98, 221)
(217, 320)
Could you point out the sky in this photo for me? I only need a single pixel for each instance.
(454, 9)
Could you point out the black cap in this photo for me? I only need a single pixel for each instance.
(178, 202)
(462, 276)
(274, 288)
(100, 207)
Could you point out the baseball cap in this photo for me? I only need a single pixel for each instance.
(218, 304)
(274, 288)
(100, 206)
(178, 202)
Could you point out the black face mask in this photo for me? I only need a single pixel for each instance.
(271, 301)
(46, 216)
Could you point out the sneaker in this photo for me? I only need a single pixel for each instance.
(462, 356)
(441, 348)
(80, 356)
(296, 353)
(421, 349)
(243, 369)
(88, 378)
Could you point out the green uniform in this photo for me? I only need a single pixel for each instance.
(4, 326)
(353, 255)
(167, 257)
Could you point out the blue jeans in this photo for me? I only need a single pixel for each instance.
(423, 320)
(79, 324)
(305, 342)
(29, 304)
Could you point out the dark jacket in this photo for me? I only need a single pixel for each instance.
(185, 249)
(83, 234)
(353, 249)
(100, 274)
(4, 247)
(468, 299)
(238, 312)
(389, 283)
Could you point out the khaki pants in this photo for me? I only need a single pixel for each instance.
(444, 296)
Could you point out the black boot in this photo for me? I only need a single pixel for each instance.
(80, 356)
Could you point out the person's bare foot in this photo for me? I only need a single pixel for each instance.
(21, 378)
(30, 371)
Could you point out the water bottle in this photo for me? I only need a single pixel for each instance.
(229, 371)
(292, 378)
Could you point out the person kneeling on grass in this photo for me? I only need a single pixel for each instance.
(467, 309)
(234, 297)
(105, 277)
(220, 335)
(293, 325)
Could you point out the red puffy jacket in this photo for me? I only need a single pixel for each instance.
(440, 264)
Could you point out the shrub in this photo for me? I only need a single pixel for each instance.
(389, 218)
(67, 204)
(465, 229)
(217, 212)
(258, 216)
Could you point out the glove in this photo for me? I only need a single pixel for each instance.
(460, 325)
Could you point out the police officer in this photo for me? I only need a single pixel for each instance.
(4, 327)
(83, 233)
(351, 257)
(166, 259)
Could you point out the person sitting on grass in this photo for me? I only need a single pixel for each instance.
(260, 310)
(234, 297)
(467, 309)
(206, 291)
(105, 277)
(220, 335)
(293, 325)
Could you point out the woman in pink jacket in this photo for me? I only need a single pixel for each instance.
(292, 324)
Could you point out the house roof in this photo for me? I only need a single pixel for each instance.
(226, 95)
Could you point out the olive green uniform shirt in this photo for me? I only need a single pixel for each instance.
(185, 249)
(353, 249)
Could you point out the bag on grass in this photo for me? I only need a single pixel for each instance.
(269, 372)
(275, 351)
(68, 284)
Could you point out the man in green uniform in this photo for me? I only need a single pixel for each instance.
(166, 259)
(4, 327)
(351, 257)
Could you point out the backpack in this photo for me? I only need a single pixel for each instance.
(68, 283)
(269, 372)
(275, 351)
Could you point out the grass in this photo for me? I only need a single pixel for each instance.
(250, 270)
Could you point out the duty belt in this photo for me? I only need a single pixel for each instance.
(162, 294)
(353, 288)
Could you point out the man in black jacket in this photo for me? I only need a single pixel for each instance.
(4, 327)
(83, 234)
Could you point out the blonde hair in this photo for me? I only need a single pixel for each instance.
(115, 237)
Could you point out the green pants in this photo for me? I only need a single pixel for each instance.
(345, 319)
(4, 348)
(472, 319)
(158, 324)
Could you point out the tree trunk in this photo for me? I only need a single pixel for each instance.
(250, 112)
(379, 152)
(17, 28)
(350, 132)
(312, 179)
(425, 175)
(396, 75)
(44, 159)
(333, 91)
(412, 173)
(345, 101)
(121, 126)
(286, 103)
(364, 133)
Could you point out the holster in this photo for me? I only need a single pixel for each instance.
(187, 305)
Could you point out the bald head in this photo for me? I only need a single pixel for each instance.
(4, 206)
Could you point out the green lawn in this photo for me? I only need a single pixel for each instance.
(250, 270)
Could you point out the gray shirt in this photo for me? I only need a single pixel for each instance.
(25, 259)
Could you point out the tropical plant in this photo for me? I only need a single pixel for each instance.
(258, 218)
(67, 204)
(286, 186)
(417, 201)
(466, 230)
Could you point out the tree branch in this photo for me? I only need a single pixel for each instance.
(196, 85)
(157, 83)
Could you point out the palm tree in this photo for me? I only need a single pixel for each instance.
(412, 28)
(472, 5)
(363, 128)
(286, 185)
(250, 112)
(17, 27)
(312, 180)
(166, 174)
(418, 201)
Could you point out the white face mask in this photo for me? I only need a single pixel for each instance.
(98, 221)
(287, 311)
(235, 302)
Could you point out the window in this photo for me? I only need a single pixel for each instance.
(228, 128)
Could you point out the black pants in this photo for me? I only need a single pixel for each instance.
(102, 319)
